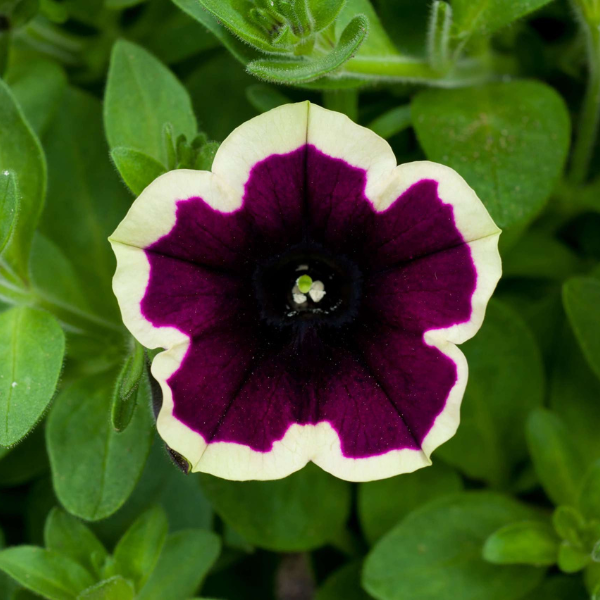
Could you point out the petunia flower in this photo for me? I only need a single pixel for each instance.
(309, 294)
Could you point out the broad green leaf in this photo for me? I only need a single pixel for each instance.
(38, 86)
(487, 16)
(343, 584)
(161, 483)
(137, 169)
(265, 97)
(283, 515)
(574, 393)
(86, 200)
(589, 496)
(324, 12)
(435, 553)
(45, 572)
(508, 140)
(572, 559)
(138, 550)
(539, 255)
(24, 462)
(555, 456)
(115, 588)
(217, 88)
(523, 543)
(304, 70)
(392, 122)
(141, 96)
(506, 382)
(32, 346)
(9, 207)
(68, 536)
(569, 524)
(94, 468)
(21, 153)
(184, 562)
(581, 298)
(382, 504)
(127, 387)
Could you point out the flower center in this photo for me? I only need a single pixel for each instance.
(307, 286)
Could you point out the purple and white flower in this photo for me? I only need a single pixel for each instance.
(309, 295)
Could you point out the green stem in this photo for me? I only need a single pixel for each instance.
(589, 119)
(438, 36)
(392, 122)
(344, 101)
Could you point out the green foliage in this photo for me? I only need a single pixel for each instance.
(283, 515)
(509, 141)
(344, 583)
(435, 553)
(136, 168)
(9, 207)
(127, 388)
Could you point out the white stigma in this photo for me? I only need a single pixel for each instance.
(317, 291)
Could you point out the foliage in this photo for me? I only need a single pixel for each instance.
(100, 97)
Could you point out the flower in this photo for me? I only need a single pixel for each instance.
(309, 294)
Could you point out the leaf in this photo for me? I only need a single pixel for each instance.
(127, 386)
(572, 559)
(523, 543)
(343, 583)
(506, 382)
(487, 16)
(141, 96)
(581, 298)
(392, 122)
(69, 537)
(282, 515)
(226, 106)
(308, 69)
(265, 97)
(137, 169)
(9, 207)
(45, 572)
(115, 588)
(94, 469)
(555, 457)
(138, 550)
(324, 12)
(569, 524)
(435, 553)
(39, 86)
(24, 462)
(86, 200)
(589, 495)
(21, 154)
(508, 140)
(186, 558)
(382, 504)
(32, 345)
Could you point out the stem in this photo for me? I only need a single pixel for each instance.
(344, 101)
(438, 36)
(589, 119)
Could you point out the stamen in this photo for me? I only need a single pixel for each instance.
(317, 291)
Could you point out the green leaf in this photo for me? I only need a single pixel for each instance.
(569, 524)
(392, 122)
(32, 346)
(508, 140)
(137, 169)
(24, 462)
(9, 207)
(39, 86)
(206, 156)
(435, 553)
(304, 70)
(572, 559)
(343, 584)
(555, 457)
(94, 468)
(45, 572)
(282, 515)
(21, 154)
(265, 97)
(138, 550)
(68, 536)
(141, 96)
(86, 200)
(581, 298)
(324, 12)
(589, 495)
(115, 588)
(186, 558)
(506, 382)
(127, 387)
(382, 504)
(522, 543)
(487, 16)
